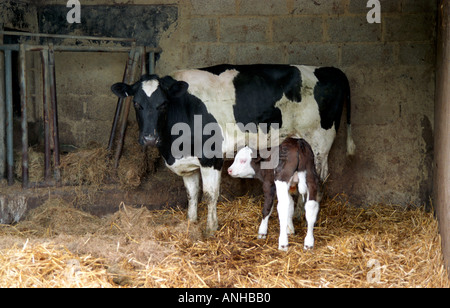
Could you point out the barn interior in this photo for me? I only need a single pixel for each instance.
(398, 71)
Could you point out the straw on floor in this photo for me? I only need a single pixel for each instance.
(377, 246)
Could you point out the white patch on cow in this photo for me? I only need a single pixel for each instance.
(311, 211)
(285, 203)
(241, 167)
(309, 79)
(185, 166)
(150, 86)
(215, 91)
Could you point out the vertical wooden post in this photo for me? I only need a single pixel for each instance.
(9, 118)
(23, 106)
(442, 129)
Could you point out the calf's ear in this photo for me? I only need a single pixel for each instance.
(122, 89)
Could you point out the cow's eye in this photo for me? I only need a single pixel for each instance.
(162, 106)
(137, 106)
(243, 161)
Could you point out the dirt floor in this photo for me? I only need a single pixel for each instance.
(58, 245)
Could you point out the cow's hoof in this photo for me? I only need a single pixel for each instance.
(306, 247)
(210, 232)
(262, 236)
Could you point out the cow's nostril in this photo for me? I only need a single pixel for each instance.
(148, 141)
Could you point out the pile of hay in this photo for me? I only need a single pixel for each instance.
(378, 246)
(35, 165)
(94, 164)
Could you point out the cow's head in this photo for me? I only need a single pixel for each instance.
(242, 165)
(152, 95)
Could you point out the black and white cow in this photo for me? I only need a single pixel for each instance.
(300, 100)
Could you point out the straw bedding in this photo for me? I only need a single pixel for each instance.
(93, 165)
(60, 246)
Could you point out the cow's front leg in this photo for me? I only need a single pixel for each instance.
(311, 211)
(284, 203)
(211, 190)
(192, 184)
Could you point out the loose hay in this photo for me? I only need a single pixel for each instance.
(378, 246)
(49, 266)
(86, 167)
(94, 164)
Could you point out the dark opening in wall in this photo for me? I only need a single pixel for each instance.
(145, 23)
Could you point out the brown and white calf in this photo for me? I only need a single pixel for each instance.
(295, 168)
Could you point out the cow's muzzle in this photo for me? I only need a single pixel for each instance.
(148, 141)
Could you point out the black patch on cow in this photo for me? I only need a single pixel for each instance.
(331, 92)
(258, 87)
(183, 109)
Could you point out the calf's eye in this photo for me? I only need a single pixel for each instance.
(243, 161)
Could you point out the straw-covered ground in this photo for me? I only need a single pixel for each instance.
(378, 246)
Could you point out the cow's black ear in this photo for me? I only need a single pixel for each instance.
(178, 89)
(122, 89)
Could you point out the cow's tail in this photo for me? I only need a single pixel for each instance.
(351, 147)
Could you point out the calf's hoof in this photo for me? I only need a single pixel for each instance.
(283, 247)
(262, 236)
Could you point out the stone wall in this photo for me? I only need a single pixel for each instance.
(391, 68)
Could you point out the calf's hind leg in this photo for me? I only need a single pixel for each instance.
(285, 203)
(311, 210)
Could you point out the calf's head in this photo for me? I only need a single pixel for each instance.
(151, 97)
(242, 165)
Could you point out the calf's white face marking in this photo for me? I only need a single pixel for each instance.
(241, 166)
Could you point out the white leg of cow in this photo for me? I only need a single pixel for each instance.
(311, 210)
(321, 141)
(262, 232)
(284, 200)
(192, 184)
(211, 189)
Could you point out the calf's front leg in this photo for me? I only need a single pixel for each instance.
(269, 194)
